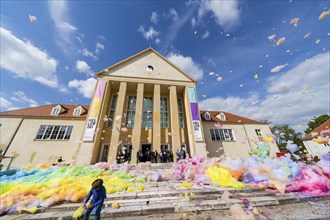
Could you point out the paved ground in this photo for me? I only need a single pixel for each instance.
(170, 200)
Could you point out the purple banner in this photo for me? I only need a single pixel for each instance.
(194, 111)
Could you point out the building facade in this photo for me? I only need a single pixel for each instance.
(318, 142)
(142, 103)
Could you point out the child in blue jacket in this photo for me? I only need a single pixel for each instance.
(99, 194)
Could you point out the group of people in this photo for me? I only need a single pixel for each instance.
(165, 156)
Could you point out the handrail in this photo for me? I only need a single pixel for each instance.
(6, 157)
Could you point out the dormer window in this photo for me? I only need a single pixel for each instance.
(55, 111)
(207, 116)
(77, 112)
(222, 116)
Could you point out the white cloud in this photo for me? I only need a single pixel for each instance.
(154, 17)
(206, 35)
(187, 65)
(83, 67)
(5, 104)
(193, 22)
(87, 53)
(174, 15)
(99, 47)
(292, 98)
(226, 12)
(150, 34)
(60, 14)
(84, 87)
(20, 58)
(19, 96)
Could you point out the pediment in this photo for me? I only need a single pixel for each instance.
(147, 64)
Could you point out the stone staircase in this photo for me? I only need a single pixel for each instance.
(169, 197)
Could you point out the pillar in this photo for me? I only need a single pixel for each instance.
(136, 135)
(156, 135)
(175, 126)
(117, 123)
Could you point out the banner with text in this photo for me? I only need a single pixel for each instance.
(195, 114)
(94, 111)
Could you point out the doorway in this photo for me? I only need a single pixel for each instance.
(104, 153)
(145, 148)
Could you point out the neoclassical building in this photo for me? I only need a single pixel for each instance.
(143, 102)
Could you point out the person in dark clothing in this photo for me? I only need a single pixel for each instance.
(60, 160)
(98, 192)
(156, 156)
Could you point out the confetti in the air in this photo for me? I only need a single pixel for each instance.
(294, 22)
(324, 14)
(204, 96)
(317, 41)
(118, 117)
(218, 125)
(272, 37)
(211, 73)
(278, 68)
(307, 35)
(256, 76)
(241, 85)
(219, 79)
(280, 41)
(32, 18)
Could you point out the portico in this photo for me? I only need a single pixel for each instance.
(142, 101)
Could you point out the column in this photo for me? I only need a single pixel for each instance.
(191, 135)
(175, 126)
(156, 135)
(136, 135)
(117, 123)
(100, 126)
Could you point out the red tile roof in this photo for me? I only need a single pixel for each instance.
(230, 118)
(45, 111)
(324, 126)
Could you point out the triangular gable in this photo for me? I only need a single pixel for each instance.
(147, 64)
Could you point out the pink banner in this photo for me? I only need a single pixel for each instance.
(100, 89)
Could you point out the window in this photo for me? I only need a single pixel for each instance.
(259, 134)
(221, 116)
(163, 112)
(112, 110)
(76, 112)
(222, 135)
(55, 111)
(207, 116)
(54, 132)
(104, 153)
(165, 147)
(130, 113)
(147, 112)
(180, 108)
(150, 68)
(327, 145)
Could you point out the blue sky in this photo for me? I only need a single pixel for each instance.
(50, 51)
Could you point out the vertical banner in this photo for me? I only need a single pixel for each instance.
(195, 114)
(94, 110)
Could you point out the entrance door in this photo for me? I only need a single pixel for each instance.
(145, 148)
(104, 153)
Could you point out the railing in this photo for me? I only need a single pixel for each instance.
(11, 158)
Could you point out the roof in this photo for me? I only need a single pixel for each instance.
(149, 49)
(324, 126)
(44, 111)
(230, 118)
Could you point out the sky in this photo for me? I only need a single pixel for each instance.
(265, 60)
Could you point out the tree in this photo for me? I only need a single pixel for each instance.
(314, 123)
(284, 133)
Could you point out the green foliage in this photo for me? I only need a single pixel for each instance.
(285, 133)
(312, 124)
